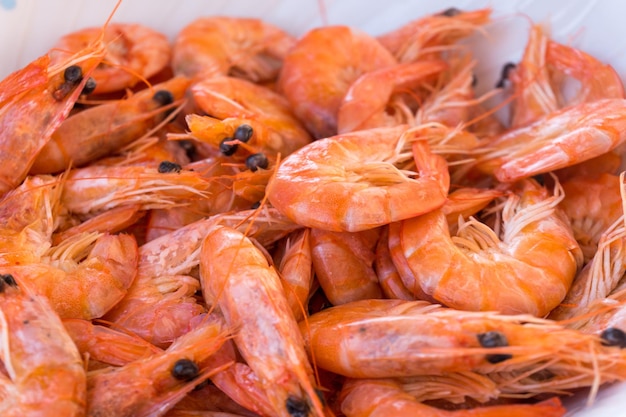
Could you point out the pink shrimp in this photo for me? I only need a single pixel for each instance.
(388, 275)
(134, 52)
(44, 371)
(214, 46)
(248, 292)
(360, 187)
(321, 67)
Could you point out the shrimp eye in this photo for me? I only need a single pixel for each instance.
(90, 86)
(243, 133)
(256, 205)
(297, 407)
(613, 337)
(451, 12)
(167, 166)
(505, 74)
(7, 280)
(163, 97)
(256, 161)
(228, 149)
(185, 370)
(73, 74)
(491, 340)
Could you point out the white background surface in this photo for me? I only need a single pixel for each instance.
(28, 28)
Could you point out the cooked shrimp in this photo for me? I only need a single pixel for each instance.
(134, 52)
(360, 186)
(44, 371)
(431, 34)
(214, 46)
(85, 289)
(560, 139)
(536, 241)
(344, 264)
(379, 398)
(294, 262)
(104, 129)
(275, 128)
(321, 67)
(155, 383)
(30, 113)
(388, 275)
(524, 355)
(105, 345)
(366, 101)
(236, 274)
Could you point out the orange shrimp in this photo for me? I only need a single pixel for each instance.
(360, 187)
(134, 52)
(321, 67)
(557, 140)
(30, 113)
(153, 385)
(397, 338)
(104, 129)
(294, 262)
(85, 289)
(214, 46)
(104, 345)
(344, 264)
(44, 371)
(388, 275)
(275, 128)
(381, 398)
(236, 274)
(366, 101)
(536, 241)
(428, 35)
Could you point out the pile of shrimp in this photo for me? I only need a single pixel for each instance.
(242, 222)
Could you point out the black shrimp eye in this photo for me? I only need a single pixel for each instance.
(491, 340)
(73, 74)
(613, 337)
(185, 370)
(228, 149)
(90, 86)
(451, 12)
(297, 407)
(256, 161)
(167, 166)
(243, 133)
(163, 97)
(505, 74)
(7, 280)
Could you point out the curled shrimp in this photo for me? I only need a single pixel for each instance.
(236, 274)
(214, 46)
(44, 370)
(321, 67)
(560, 139)
(427, 36)
(104, 129)
(536, 241)
(134, 52)
(359, 187)
(30, 113)
(378, 398)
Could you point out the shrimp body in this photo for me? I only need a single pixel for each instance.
(359, 187)
(44, 370)
(321, 67)
(383, 398)
(478, 271)
(104, 129)
(30, 115)
(236, 274)
(560, 139)
(275, 128)
(214, 46)
(133, 52)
